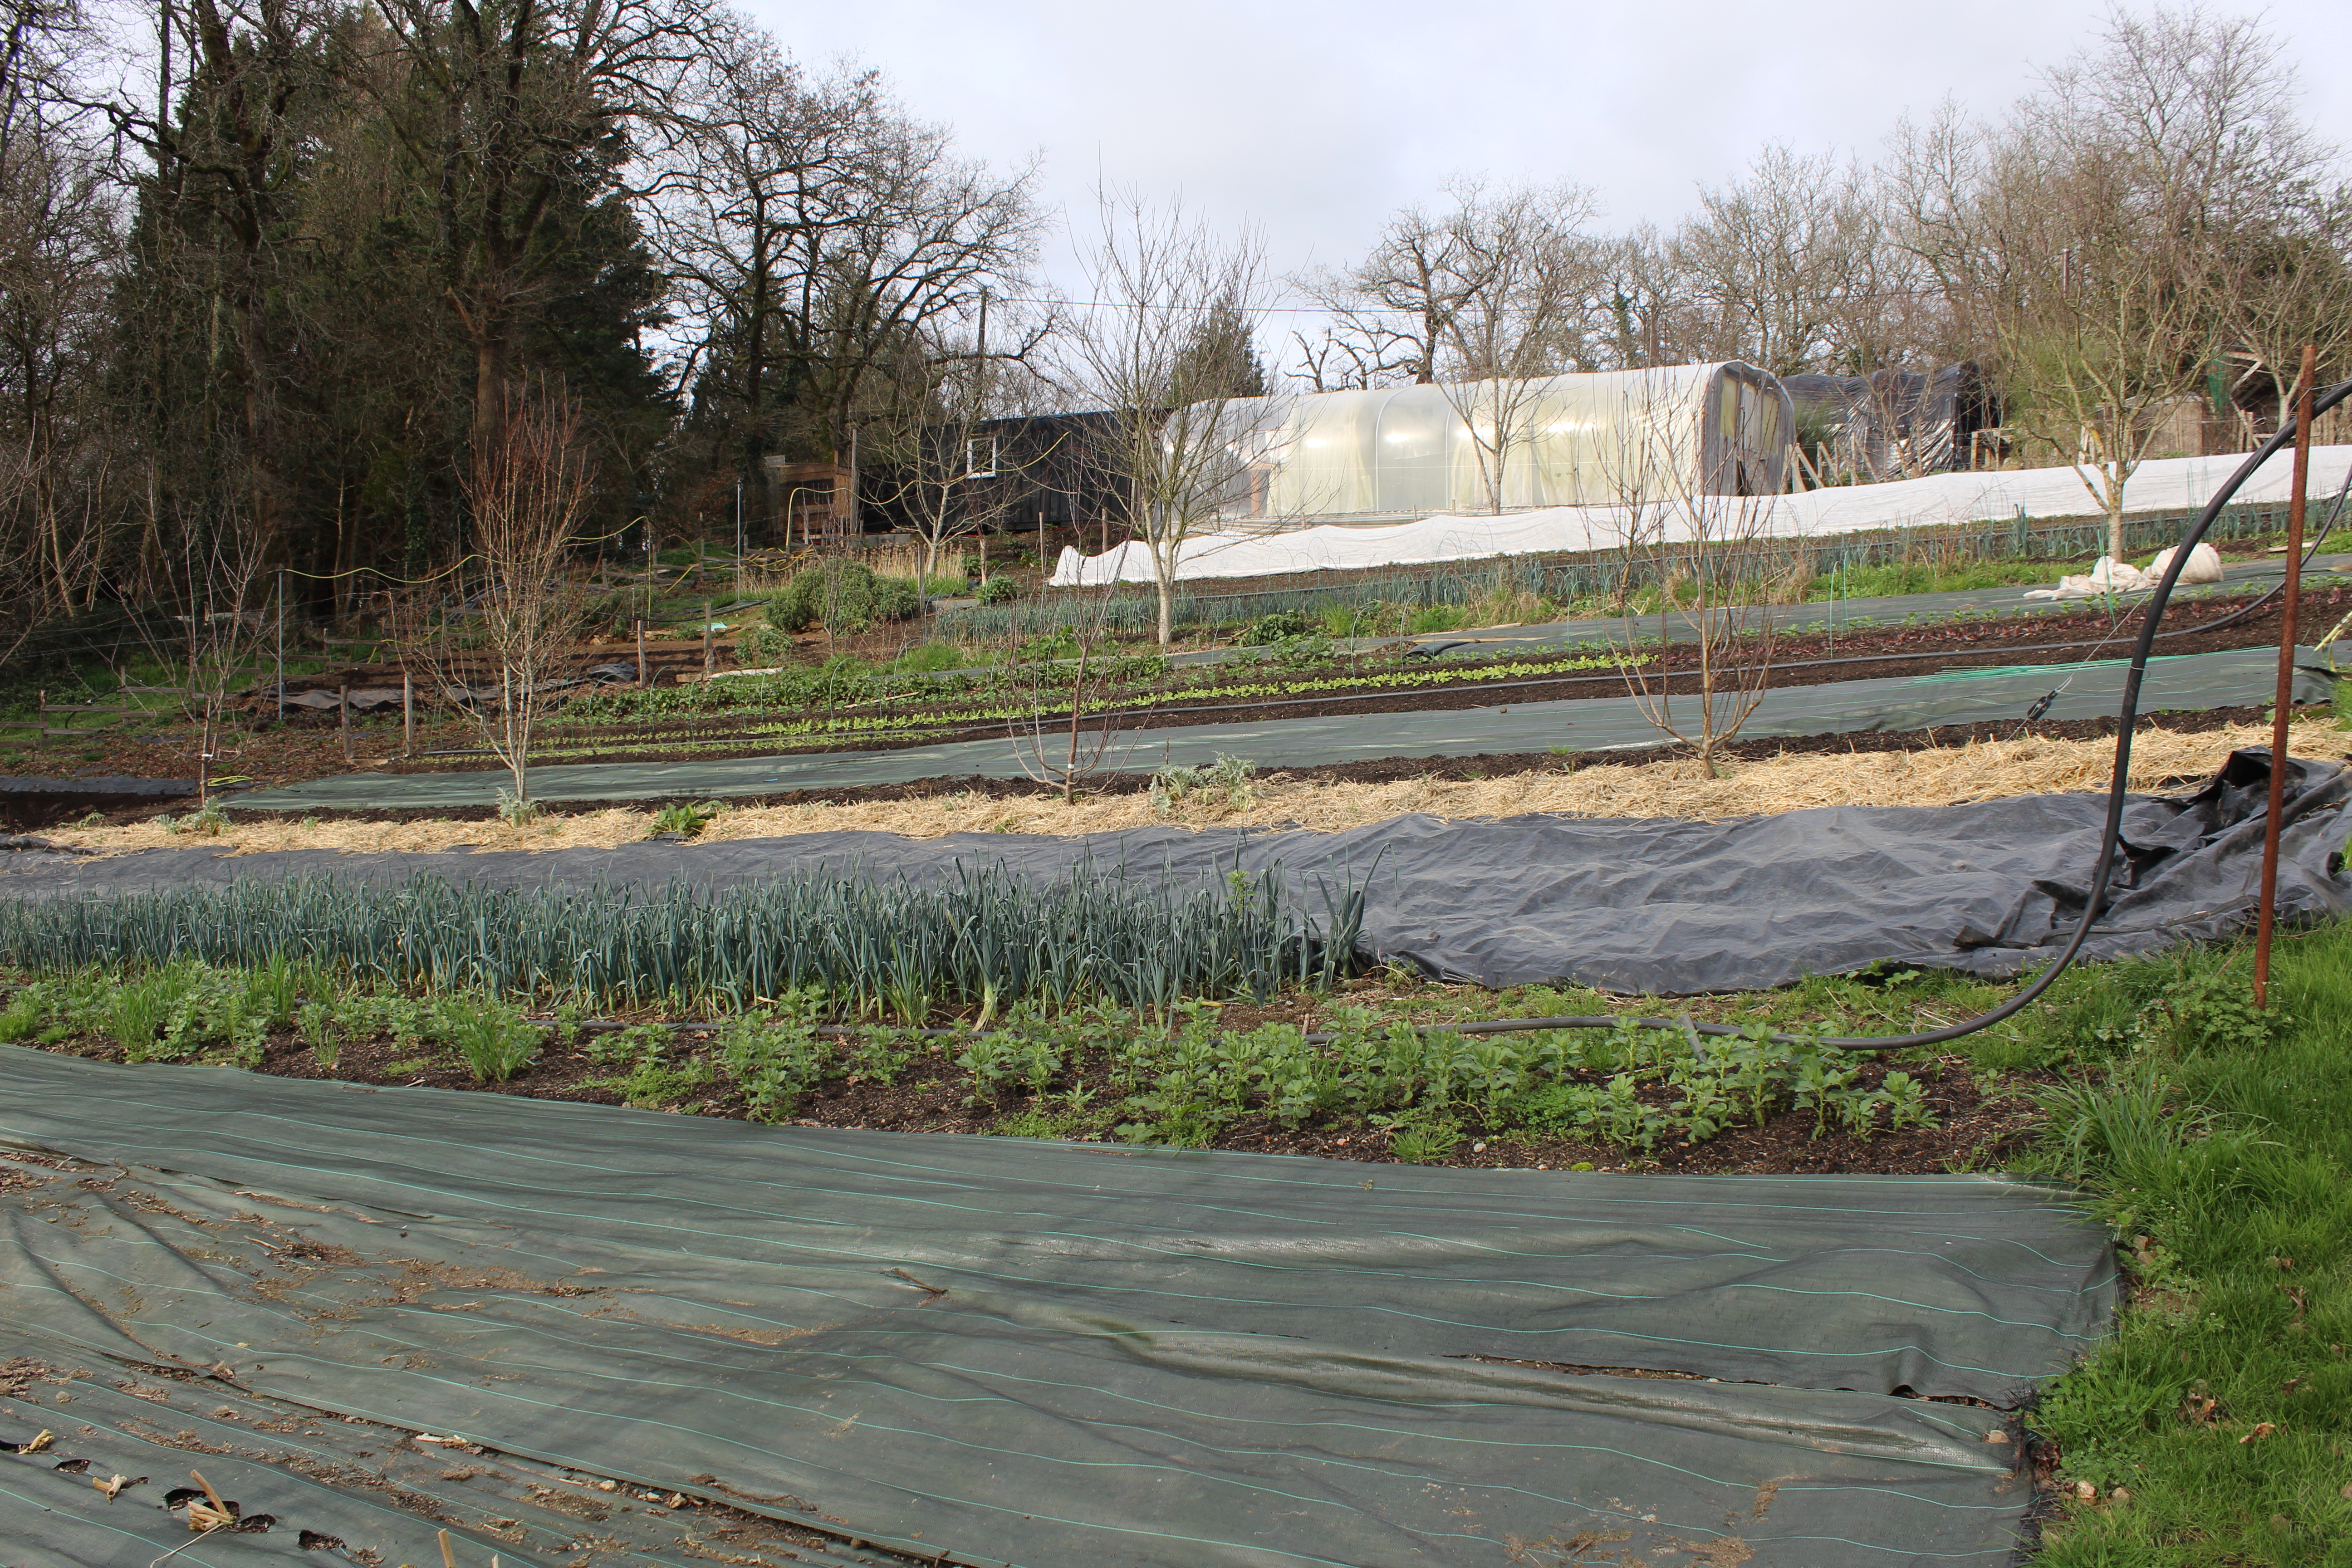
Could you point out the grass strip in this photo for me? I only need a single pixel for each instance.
(2216, 1426)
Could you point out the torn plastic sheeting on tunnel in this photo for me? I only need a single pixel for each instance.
(1056, 1354)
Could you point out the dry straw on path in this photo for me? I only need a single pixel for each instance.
(1938, 775)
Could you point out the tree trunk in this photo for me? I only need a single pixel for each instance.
(516, 721)
(489, 386)
(755, 437)
(260, 419)
(1705, 686)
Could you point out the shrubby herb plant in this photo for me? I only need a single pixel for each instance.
(1225, 782)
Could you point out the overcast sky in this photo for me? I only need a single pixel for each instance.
(1316, 118)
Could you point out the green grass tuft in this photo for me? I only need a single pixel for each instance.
(2220, 1146)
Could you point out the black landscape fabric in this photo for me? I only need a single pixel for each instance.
(1642, 905)
(1004, 1351)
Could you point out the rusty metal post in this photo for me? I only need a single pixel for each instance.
(343, 707)
(641, 650)
(2266, 916)
(710, 654)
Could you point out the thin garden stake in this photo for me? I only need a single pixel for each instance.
(407, 715)
(281, 645)
(343, 716)
(2265, 916)
(709, 654)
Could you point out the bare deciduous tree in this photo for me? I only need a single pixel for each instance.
(210, 625)
(1788, 261)
(951, 475)
(1074, 669)
(767, 153)
(1708, 557)
(2150, 222)
(58, 248)
(2095, 353)
(2284, 282)
(1159, 275)
(2134, 171)
(1485, 296)
(1526, 279)
(1495, 290)
(506, 100)
(529, 492)
(823, 235)
(1391, 312)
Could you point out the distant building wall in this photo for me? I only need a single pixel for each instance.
(812, 503)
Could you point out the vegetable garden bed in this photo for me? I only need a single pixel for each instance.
(1357, 1072)
(2210, 1428)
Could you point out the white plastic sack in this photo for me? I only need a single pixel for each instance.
(2204, 565)
(2107, 576)
(2112, 577)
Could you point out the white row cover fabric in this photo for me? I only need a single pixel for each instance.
(1559, 440)
(2108, 575)
(1938, 500)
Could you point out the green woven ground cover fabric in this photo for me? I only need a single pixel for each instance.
(317, 1478)
(1064, 1354)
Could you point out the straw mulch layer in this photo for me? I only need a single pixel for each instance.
(2162, 758)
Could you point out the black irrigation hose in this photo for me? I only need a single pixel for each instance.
(2108, 837)
(2242, 611)
(2117, 790)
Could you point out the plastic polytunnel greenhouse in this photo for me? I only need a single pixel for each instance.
(1658, 436)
